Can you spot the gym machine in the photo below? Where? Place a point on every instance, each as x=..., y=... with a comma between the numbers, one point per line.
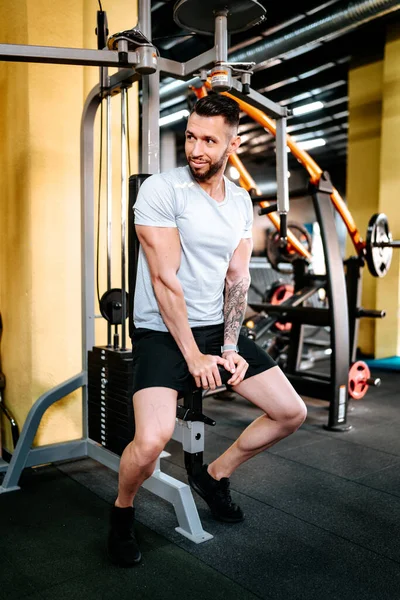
x=107, y=370
x=284, y=307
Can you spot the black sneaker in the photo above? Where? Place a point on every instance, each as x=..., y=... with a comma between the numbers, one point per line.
x=217, y=495
x=122, y=547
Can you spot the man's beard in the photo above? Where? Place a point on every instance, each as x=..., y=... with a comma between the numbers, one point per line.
x=213, y=168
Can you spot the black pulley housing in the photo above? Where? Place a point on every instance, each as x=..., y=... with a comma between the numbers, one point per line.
x=111, y=306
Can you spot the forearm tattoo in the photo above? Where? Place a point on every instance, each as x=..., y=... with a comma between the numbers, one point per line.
x=234, y=309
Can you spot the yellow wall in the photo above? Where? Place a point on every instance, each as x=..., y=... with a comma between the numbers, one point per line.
x=387, y=335
x=363, y=160
x=373, y=181
x=15, y=224
x=40, y=112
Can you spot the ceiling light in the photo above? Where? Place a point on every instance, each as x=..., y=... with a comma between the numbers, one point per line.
x=173, y=117
x=308, y=144
x=306, y=108
x=234, y=173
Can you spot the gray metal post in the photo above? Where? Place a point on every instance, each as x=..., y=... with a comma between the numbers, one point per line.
x=123, y=214
x=87, y=234
x=221, y=38
x=109, y=207
x=150, y=157
x=282, y=166
x=168, y=150
x=24, y=455
x=144, y=19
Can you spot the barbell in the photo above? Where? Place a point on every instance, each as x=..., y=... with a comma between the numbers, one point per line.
x=379, y=245
x=360, y=379
x=378, y=249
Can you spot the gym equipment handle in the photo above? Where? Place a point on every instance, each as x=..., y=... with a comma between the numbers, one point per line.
x=268, y=209
x=391, y=244
x=373, y=314
x=189, y=414
x=375, y=382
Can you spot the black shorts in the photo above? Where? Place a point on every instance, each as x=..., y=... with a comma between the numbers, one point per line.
x=158, y=361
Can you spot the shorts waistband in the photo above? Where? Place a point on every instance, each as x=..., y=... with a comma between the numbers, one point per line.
x=198, y=329
x=207, y=327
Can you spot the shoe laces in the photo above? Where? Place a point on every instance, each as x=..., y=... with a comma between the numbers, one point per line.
x=224, y=492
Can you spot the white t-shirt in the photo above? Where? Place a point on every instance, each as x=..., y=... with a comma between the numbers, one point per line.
x=209, y=231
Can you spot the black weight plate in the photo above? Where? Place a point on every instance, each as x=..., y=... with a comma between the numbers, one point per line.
x=111, y=362
x=111, y=380
x=114, y=404
x=113, y=444
x=200, y=16
x=122, y=368
x=111, y=410
x=109, y=441
x=378, y=259
x=107, y=434
x=109, y=354
x=96, y=394
x=120, y=394
x=117, y=394
x=110, y=428
x=110, y=366
x=124, y=388
x=108, y=371
x=111, y=306
x=114, y=410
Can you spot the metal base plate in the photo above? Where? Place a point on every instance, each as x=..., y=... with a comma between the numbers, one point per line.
x=197, y=539
x=200, y=16
x=4, y=490
x=339, y=428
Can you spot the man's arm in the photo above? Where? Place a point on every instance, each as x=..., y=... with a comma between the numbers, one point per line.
x=237, y=283
x=162, y=248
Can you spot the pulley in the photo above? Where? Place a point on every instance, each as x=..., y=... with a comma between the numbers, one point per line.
x=360, y=379
x=111, y=306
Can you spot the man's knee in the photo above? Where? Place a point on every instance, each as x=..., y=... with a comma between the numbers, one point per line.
x=296, y=415
x=146, y=448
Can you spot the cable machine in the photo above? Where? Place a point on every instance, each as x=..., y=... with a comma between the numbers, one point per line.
x=133, y=53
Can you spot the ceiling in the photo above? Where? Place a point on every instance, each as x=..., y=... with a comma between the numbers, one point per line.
x=318, y=72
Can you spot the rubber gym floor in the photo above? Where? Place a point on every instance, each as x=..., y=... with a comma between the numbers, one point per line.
x=322, y=519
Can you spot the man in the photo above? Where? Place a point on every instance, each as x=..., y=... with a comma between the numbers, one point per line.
x=194, y=228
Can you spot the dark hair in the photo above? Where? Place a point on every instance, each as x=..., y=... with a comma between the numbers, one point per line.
x=214, y=105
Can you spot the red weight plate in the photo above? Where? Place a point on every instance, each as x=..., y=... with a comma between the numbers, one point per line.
x=358, y=376
x=279, y=294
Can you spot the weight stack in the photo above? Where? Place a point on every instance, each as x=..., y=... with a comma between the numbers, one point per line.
x=110, y=407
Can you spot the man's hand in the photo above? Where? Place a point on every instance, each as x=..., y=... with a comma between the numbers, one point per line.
x=237, y=365
x=204, y=368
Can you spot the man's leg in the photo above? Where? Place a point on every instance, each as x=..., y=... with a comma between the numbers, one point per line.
x=155, y=414
x=284, y=412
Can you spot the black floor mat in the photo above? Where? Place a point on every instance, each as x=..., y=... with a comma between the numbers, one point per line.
x=52, y=546
x=322, y=519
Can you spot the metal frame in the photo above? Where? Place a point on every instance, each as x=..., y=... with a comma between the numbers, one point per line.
x=176, y=492
x=331, y=387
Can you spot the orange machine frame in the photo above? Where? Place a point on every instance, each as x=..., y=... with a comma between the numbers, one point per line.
x=315, y=172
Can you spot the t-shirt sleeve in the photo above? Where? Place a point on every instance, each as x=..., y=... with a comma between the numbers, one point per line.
x=248, y=228
x=155, y=203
